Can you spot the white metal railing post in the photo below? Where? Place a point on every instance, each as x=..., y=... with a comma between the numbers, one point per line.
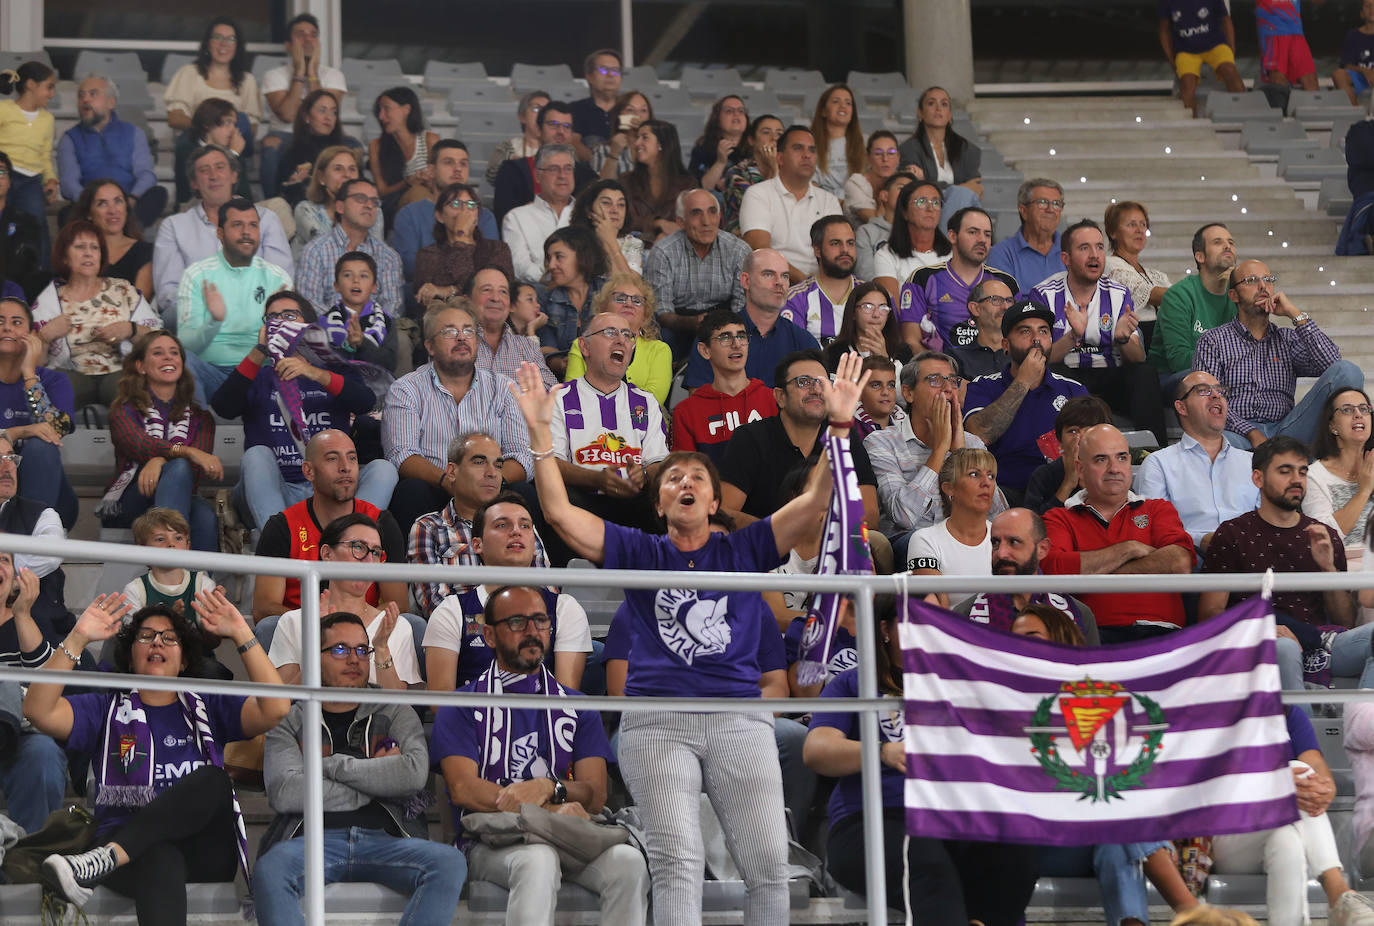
x=627, y=35
x=312, y=745
x=870, y=766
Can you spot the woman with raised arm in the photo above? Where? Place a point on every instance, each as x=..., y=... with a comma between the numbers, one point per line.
x=688, y=642
x=166, y=814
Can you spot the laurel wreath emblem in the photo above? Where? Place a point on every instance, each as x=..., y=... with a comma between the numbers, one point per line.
x=1068, y=779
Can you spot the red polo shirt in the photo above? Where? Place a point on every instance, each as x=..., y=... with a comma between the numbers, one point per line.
x=1079, y=529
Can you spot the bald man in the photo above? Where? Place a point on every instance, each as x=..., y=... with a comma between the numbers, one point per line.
x=1105, y=528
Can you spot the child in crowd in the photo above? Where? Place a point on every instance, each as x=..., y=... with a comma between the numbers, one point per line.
x=526, y=317
x=26, y=134
x=356, y=324
x=173, y=586
x=1357, y=57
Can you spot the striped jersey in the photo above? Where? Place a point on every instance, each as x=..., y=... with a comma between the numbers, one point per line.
x=937, y=299
x=1096, y=349
x=614, y=430
x=809, y=307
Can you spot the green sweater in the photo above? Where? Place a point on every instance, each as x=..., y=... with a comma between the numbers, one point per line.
x=1186, y=311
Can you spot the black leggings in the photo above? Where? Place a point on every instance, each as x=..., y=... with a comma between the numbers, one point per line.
x=951, y=882
x=184, y=835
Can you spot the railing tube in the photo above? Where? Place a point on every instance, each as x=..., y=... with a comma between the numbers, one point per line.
x=312, y=746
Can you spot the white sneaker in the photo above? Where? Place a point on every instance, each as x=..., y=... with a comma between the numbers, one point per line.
x=1353, y=909
x=73, y=876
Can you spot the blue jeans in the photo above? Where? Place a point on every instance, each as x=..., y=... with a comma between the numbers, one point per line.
x=263, y=492
x=269, y=160
x=34, y=776
x=208, y=376
x=175, y=490
x=431, y=874
x=1302, y=422
x=26, y=195
x=1350, y=657
x=43, y=479
x=798, y=781
x=1119, y=870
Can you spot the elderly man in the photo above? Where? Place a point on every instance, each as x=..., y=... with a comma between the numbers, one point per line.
x=763, y=277
x=817, y=303
x=101, y=146
x=1194, y=304
x=694, y=269
x=524, y=228
x=193, y=235
x=499, y=349
x=519, y=180
x=779, y=213
x=1032, y=254
x=1106, y=529
x=446, y=397
x=285, y=87
x=591, y=123
x=356, y=205
x=221, y=299
x=976, y=345
x=935, y=299
x=1261, y=362
x=1203, y=476
x=414, y=227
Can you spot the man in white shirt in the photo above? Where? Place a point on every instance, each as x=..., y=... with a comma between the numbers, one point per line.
x=778, y=213
x=286, y=86
x=525, y=227
x=609, y=436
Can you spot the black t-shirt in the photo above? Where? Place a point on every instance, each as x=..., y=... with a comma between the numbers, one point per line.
x=589, y=120
x=371, y=815
x=760, y=455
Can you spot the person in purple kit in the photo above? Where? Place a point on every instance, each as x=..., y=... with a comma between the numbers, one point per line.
x=165, y=811
x=1357, y=57
x=817, y=303
x=1097, y=334
x=935, y=299
x=1285, y=58
x=1014, y=411
x=687, y=641
x=1032, y=254
x=1195, y=33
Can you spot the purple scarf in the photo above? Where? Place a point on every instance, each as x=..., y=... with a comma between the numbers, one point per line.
x=555, y=740
x=844, y=551
x=312, y=345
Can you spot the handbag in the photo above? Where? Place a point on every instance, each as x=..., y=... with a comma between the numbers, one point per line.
x=68, y=830
x=578, y=842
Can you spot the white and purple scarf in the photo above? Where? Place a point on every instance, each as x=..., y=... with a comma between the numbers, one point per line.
x=156, y=427
x=312, y=344
x=844, y=551
x=555, y=746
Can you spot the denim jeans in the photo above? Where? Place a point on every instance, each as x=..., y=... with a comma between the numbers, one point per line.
x=43, y=479
x=263, y=492
x=34, y=776
x=208, y=377
x=1302, y=422
x=1350, y=658
x=430, y=873
x=175, y=490
x=269, y=160
x=1119, y=870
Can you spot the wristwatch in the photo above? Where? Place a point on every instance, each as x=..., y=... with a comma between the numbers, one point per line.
x=560, y=793
x=1301, y=318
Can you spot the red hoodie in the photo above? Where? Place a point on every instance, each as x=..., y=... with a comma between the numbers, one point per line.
x=705, y=419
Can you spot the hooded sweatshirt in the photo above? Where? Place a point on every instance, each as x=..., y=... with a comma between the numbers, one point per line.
x=705, y=419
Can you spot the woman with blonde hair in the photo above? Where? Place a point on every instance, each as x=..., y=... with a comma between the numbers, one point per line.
x=315, y=214
x=840, y=148
x=629, y=296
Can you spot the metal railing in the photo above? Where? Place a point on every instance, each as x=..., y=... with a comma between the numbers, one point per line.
x=863, y=588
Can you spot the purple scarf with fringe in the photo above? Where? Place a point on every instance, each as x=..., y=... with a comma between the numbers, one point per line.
x=844, y=551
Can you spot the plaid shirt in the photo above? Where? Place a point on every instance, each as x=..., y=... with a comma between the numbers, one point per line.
x=443, y=538
x=420, y=418
x=689, y=285
x=1263, y=375
x=513, y=350
x=315, y=273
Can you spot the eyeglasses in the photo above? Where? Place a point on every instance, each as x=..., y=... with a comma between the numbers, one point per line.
x=608, y=72
x=727, y=338
x=557, y=125
x=149, y=637
x=225, y=39
x=734, y=111
x=461, y=204
x=11, y=458
x=998, y=302
x=890, y=152
x=518, y=622
x=875, y=308
x=928, y=202
x=806, y=382
x=1206, y=391
x=1252, y=280
x=467, y=333
x=286, y=315
x=1055, y=204
x=557, y=168
x=631, y=298
x=343, y=651
x=1348, y=410
x=937, y=381
x=610, y=334
x=362, y=199
x=361, y=550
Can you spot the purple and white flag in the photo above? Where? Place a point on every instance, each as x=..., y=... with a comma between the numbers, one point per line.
x=1014, y=739
x=844, y=551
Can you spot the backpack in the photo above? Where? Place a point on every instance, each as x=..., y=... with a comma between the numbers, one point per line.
x=68, y=829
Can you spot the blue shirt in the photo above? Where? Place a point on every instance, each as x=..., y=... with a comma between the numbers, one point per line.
x=1024, y=262
x=1195, y=24
x=765, y=351
x=414, y=229
x=1016, y=450
x=1204, y=491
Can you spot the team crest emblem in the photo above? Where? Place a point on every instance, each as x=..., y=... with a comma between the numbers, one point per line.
x=1202, y=13
x=1114, y=737
x=906, y=299
x=1059, y=401
x=639, y=416
x=1141, y=521
x=1105, y=321
x=129, y=754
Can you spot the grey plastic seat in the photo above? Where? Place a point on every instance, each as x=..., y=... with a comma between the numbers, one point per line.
x=9, y=60
x=711, y=82
x=1316, y=104
x=175, y=62
x=1312, y=164
x=480, y=92
x=1334, y=197
x=485, y=121
x=794, y=85
x=1340, y=127
x=264, y=63
x=1272, y=137
x=877, y=88
x=367, y=70
x=441, y=75
x=527, y=77
x=663, y=97
x=761, y=101
x=109, y=63
x=88, y=456
x=639, y=77
x=1238, y=107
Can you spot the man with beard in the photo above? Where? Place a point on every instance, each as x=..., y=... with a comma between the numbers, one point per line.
x=1261, y=362
x=331, y=468
x=101, y=146
x=1106, y=529
x=375, y=758
x=1019, y=543
x=1279, y=536
x=1013, y=412
x=1097, y=337
x=499, y=349
x=935, y=299
x=555, y=759
x=1195, y=304
x=817, y=303
x=446, y=397
x=221, y=299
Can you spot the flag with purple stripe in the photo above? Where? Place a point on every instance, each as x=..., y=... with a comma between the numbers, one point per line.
x=1015, y=739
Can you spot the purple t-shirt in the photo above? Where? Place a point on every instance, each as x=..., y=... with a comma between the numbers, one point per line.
x=844, y=653
x=686, y=641
x=847, y=798
x=14, y=404
x=938, y=294
x=1195, y=24
x=175, y=754
x=1357, y=49
x=1300, y=732
x=773, y=654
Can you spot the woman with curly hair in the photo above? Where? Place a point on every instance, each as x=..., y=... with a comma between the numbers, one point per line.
x=220, y=70
x=605, y=209
x=627, y=295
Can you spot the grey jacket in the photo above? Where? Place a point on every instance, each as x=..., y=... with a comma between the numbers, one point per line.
x=349, y=782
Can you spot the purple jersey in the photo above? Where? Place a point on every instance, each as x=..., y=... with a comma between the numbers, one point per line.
x=847, y=798
x=809, y=307
x=1195, y=24
x=1110, y=301
x=937, y=300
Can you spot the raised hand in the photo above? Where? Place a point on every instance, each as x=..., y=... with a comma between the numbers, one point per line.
x=842, y=396
x=1077, y=318
x=1032, y=369
x=355, y=333
x=534, y=398
x=1323, y=552
x=214, y=301
x=102, y=617
x=1126, y=326
x=956, y=422
x=381, y=642
x=27, y=584
x=218, y=615
x=1364, y=476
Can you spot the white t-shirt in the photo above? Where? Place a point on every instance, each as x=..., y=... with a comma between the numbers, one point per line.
x=286, y=646
x=935, y=548
x=887, y=264
x=282, y=78
x=445, y=630
x=767, y=206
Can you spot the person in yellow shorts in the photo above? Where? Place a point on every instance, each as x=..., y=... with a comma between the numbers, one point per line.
x=1197, y=32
